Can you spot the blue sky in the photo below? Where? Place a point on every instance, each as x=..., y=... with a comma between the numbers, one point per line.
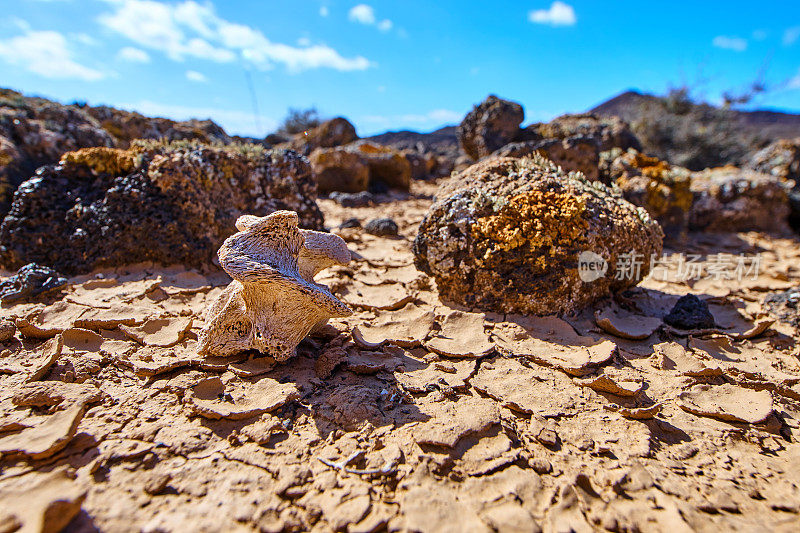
x=389, y=65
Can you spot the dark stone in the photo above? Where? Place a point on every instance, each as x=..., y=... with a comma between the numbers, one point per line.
x=690, y=312
x=378, y=187
x=382, y=227
x=350, y=223
x=168, y=204
x=30, y=281
x=352, y=199
x=785, y=305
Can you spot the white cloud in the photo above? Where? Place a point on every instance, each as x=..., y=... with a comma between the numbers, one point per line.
x=791, y=35
x=737, y=44
x=558, y=14
x=303, y=41
x=323, y=11
x=190, y=29
x=234, y=122
x=46, y=53
x=133, y=55
x=362, y=13
x=198, y=77
x=794, y=82
x=365, y=14
x=435, y=117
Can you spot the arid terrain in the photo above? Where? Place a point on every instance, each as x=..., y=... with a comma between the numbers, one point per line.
x=553, y=328
x=411, y=415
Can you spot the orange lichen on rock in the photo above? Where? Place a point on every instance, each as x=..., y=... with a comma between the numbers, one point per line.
x=102, y=160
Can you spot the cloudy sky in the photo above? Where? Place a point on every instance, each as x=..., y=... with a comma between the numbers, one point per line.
x=389, y=65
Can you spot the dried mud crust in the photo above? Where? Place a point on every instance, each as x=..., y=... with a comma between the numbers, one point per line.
x=505, y=235
x=408, y=416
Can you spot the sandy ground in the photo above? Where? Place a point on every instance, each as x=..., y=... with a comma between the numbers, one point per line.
x=412, y=414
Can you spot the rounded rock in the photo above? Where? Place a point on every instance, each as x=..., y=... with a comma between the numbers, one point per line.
x=506, y=235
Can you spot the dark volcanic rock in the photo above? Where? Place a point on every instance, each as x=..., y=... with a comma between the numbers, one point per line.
x=581, y=154
x=609, y=132
x=353, y=199
x=334, y=132
x=382, y=227
x=690, y=312
x=506, y=234
x=30, y=281
x=731, y=199
x=780, y=159
x=490, y=125
x=161, y=202
x=785, y=305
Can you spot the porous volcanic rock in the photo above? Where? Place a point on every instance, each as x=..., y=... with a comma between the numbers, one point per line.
x=162, y=202
x=36, y=131
x=127, y=126
x=336, y=169
x=731, y=199
x=780, y=159
x=577, y=153
x=662, y=189
x=490, y=125
x=610, y=132
x=335, y=132
x=505, y=235
x=386, y=165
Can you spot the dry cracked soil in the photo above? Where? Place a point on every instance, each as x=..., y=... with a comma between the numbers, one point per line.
x=411, y=415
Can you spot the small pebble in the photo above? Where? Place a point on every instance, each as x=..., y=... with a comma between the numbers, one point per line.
x=382, y=227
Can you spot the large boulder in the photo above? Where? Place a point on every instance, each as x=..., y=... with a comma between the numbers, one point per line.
x=161, y=202
x=732, y=199
x=506, y=234
x=662, y=189
x=386, y=165
x=36, y=131
x=335, y=132
x=609, y=131
x=127, y=126
x=490, y=125
x=579, y=153
x=780, y=159
x=336, y=169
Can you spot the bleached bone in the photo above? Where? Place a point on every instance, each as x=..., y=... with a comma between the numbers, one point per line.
x=272, y=302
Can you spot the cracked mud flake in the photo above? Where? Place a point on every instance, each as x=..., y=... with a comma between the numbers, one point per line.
x=553, y=342
x=50, y=434
x=152, y=360
x=626, y=325
x=34, y=363
x=163, y=332
x=405, y=327
x=619, y=385
x=450, y=421
x=462, y=335
x=44, y=502
x=235, y=400
x=547, y=392
x=115, y=315
x=379, y=297
x=419, y=376
x=50, y=393
x=674, y=356
x=727, y=402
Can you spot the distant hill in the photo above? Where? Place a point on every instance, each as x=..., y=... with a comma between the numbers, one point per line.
x=769, y=125
x=442, y=141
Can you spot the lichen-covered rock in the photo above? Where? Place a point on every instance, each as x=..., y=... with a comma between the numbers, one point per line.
x=336, y=169
x=662, y=189
x=489, y=126
x=578, y=153
x=505, y=235
x=162, y=202
x=127, y=126
x=610, y=132
x=335, y=132
x=731, y=199
x=780, y=159
x=386, y=165
x=34, y=132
